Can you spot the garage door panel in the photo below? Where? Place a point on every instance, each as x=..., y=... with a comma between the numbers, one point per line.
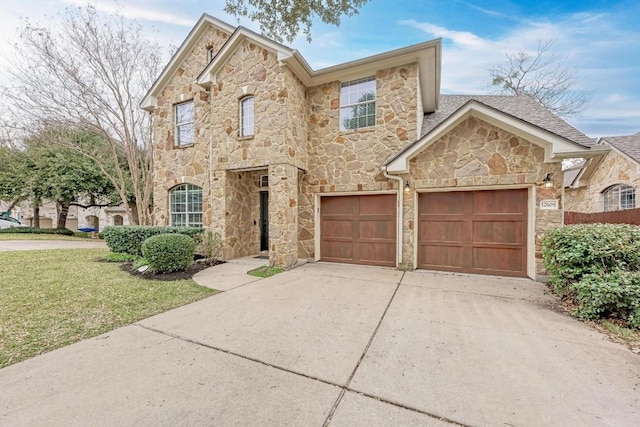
x=498, y=232
x=336, y=228
x=441, y=256
x=358, y=229
x=379, y=229
x=474, y=231
x=503, y=260
x=442, y=203
x=499, y=201
x=339, y=249
x=441, y=231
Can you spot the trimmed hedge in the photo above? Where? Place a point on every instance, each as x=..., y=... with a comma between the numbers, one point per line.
x=168, y=252
x=128, y=239
x=33, y=230
x=597, y=266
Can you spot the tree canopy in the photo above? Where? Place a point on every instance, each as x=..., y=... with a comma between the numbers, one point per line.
x=282, y=20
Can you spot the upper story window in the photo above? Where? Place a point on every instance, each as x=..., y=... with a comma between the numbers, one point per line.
x=246, y=116
x=358, y=103
x=184, y=123
x=619, y=197
x=185, y=206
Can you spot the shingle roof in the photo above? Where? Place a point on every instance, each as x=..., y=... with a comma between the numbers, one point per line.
x=521, y=107
x=572, y=173
x=628, y=144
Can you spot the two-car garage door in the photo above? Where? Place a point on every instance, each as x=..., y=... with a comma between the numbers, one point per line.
x=465, y=231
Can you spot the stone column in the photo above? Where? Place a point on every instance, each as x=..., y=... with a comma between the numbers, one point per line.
x=215, y=213
x=283, y=215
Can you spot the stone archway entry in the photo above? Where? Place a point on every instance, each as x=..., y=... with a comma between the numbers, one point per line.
x=93, y=222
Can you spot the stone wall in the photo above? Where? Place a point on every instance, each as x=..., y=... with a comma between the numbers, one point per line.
x=283, y=215
x=242, y=216
x=477, y=154
x=190, y=164
x=349, y=161
x=614, y=169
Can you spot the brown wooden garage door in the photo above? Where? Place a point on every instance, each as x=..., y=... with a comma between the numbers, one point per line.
x=358, y=229
x=474, y=231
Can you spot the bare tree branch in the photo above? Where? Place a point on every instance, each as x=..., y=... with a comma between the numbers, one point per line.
x=90, y=73
x=544, y=76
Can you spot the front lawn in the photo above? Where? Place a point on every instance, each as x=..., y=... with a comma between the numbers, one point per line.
x=49, y=299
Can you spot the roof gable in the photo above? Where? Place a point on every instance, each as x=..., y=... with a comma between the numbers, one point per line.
x=627, y=144
x=149, y=101
x=436, y=125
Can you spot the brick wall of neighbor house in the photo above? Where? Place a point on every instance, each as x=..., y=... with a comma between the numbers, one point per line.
x=189, y=164
x=351, y=161
x=614, y=169
x=476, y=154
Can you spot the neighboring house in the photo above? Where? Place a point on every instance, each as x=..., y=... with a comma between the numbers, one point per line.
x=363, y=162
x=608, y=182
x=78, y=217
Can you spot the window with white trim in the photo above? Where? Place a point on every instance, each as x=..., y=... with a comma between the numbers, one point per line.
x=185, y=206
x=246, y=116
x=184, y=123
x=619, y=197
x=358, y=103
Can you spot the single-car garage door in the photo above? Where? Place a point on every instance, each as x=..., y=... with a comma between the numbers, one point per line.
x=358, y=229
x=474, y=231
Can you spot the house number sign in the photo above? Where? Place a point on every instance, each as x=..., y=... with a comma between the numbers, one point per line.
x=549, y=204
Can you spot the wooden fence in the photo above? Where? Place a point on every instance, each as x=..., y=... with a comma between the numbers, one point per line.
x=629, y=216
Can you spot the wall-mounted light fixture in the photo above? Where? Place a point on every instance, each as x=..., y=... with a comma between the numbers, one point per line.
x=547, y=181
x=407, y=187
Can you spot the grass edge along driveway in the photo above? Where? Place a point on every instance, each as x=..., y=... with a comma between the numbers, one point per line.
x=54, y=298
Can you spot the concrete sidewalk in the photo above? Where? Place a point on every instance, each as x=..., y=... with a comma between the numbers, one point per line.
x=328, y=344
x=35, y=245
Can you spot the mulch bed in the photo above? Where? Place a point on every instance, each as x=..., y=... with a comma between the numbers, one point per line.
x=176, y=275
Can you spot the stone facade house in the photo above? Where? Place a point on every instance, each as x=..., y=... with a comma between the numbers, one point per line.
x=607, y=182
x=363, y=162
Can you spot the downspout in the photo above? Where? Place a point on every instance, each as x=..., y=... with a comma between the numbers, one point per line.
x=399, y=218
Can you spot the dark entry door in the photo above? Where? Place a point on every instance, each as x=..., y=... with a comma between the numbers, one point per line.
x=264, y=220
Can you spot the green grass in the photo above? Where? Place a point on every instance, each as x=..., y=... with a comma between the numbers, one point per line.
x=26, y=236
x=265, y=271
x=53, y=298
x=631, y=337
x=117, y=257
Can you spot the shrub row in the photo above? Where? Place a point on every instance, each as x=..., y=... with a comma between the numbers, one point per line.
x=168, y=252
x=597, y=266
x=129, y=238
x=33, y=230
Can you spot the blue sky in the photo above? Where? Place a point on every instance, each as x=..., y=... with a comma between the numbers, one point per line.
x=600, y=38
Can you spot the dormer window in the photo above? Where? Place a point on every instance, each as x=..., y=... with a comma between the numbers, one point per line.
x=246, y=116
x=358, y=104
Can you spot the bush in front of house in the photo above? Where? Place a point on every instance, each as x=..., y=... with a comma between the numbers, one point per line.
x=168, y=252
x=612, y=295
x=33, y=230
x=128, y=239
x=597, y=267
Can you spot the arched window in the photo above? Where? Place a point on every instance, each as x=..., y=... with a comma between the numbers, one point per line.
x=185, y=205
x=246, y=116
x=619, y=197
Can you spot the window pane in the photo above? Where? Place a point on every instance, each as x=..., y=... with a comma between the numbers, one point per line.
x=186, y=206
x=246, y=116
x=357, y=102
x=185, y=134
x=184, y=112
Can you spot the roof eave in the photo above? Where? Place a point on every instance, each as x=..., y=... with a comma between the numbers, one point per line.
x=149, y=101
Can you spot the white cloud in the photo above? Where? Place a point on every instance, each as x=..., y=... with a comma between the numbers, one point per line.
x=132, y=11
x=463, y=38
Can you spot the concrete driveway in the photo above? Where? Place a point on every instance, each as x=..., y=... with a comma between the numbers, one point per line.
x=328, y=344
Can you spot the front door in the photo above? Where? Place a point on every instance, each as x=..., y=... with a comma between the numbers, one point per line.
x=264, y=220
